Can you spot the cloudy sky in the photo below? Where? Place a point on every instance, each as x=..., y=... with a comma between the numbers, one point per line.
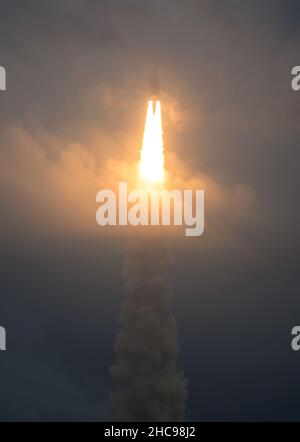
x=71, y=121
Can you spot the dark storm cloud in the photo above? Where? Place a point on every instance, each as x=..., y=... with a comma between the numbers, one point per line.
x=77, y=83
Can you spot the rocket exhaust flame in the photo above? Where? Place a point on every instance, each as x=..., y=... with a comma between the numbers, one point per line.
x=151, y=166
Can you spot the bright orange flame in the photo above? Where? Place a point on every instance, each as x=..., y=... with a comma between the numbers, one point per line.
x=151, y=166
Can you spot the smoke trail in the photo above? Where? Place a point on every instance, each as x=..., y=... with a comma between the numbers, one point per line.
x=148, y=385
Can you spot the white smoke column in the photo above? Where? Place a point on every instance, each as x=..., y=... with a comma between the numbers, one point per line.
x=148, y=384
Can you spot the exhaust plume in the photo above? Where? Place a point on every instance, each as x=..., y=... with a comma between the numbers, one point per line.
x=148, y=385
x=151, y=167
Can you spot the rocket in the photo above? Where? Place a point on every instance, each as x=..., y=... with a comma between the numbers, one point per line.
x=154, y=87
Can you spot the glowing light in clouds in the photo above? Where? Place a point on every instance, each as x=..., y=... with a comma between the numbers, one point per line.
x=151, y=166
